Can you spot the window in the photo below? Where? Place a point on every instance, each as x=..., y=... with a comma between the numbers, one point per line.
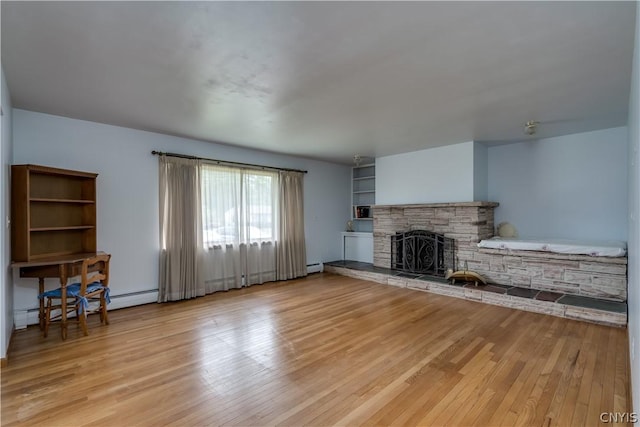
x=238, y=205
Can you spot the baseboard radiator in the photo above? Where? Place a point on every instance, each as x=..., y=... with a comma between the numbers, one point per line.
x=23, y=318
x=315, y=268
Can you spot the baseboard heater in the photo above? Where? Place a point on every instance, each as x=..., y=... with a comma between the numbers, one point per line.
x=22, y=318
x=315, y=268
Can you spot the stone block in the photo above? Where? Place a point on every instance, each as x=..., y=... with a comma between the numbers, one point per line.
x=499, y=278
x=466, y=245
x=467, y=211
x=608, y=286
x=542, y=284
x=512, y=260
x=604, y=292
x=609, y=280
x=517, y=270
x=564, y=287
x=478, y=256
x=460, y=237
x=463, y=219
x=439, y=222
x=419, y=213
x=475, y=265
x=497, y=267
x=473, y=294
x=399, y=282
x=537, y=306
x=575, y=276
x=462, y=254
x=422, y=285
x=552, y=272
x=596, y=316
x=379, y=278
x=598, y=267
x=520, y=280
x=441, y=289
x=449, y=212
x=530, y=272
x=502, y=300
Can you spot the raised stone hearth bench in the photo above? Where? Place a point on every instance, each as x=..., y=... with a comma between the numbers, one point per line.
x=553, y=303
x=584, y=275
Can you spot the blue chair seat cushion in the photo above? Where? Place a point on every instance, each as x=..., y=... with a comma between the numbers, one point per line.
x=73, y=291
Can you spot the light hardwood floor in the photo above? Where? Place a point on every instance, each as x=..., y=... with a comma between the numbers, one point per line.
x=324, y=350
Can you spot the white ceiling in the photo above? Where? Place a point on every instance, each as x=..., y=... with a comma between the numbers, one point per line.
x=324, y=79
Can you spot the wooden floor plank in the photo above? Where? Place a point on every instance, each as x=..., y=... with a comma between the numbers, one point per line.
x=323, y=350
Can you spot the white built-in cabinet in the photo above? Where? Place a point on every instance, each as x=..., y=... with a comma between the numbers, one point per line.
x=357, y=246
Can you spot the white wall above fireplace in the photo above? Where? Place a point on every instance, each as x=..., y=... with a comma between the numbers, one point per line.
x=437, y=175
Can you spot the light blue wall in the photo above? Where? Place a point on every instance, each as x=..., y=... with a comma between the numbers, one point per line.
x=634, y=220
x=6, y=287
x=127, y=188
x=442, y=174
x=573, y=186
x=480, y=172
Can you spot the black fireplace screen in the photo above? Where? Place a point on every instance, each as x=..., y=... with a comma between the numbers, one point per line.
x=422, y=252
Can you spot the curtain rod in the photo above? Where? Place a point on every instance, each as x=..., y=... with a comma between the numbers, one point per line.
x=225, y=162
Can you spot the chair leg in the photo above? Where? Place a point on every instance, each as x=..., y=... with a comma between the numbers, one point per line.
x=104, y=317
x=83, y=322
x=47, y=318
x=100, y=311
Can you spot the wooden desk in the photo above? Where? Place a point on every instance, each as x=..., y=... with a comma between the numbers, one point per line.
x=61, y=267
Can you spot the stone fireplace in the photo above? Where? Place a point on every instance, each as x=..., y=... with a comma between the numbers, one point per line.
x=466, y=223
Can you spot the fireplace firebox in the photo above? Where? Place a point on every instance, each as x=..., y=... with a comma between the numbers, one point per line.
x=422, y=252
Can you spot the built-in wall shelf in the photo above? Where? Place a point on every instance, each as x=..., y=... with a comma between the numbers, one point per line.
x=363, y=197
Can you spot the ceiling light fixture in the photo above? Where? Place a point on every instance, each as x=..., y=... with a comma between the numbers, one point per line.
x=531, y=127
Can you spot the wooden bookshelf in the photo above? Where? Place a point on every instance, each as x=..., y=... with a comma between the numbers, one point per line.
x=53, y=212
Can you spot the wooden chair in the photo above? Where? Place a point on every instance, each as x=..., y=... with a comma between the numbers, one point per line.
x=93, y=286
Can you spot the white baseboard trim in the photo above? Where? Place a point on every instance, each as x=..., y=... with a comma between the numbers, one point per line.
x=315, y=268
x=22, y=318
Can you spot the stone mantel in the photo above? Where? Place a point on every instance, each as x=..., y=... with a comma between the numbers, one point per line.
x=444, y=205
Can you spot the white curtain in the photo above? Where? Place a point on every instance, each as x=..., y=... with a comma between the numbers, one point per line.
x=238, y=211
x=291, y=248
x=180, y=229
x=226, y=227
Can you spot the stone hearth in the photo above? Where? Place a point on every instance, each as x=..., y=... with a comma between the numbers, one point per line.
x=558, y=304
x=572, y=286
